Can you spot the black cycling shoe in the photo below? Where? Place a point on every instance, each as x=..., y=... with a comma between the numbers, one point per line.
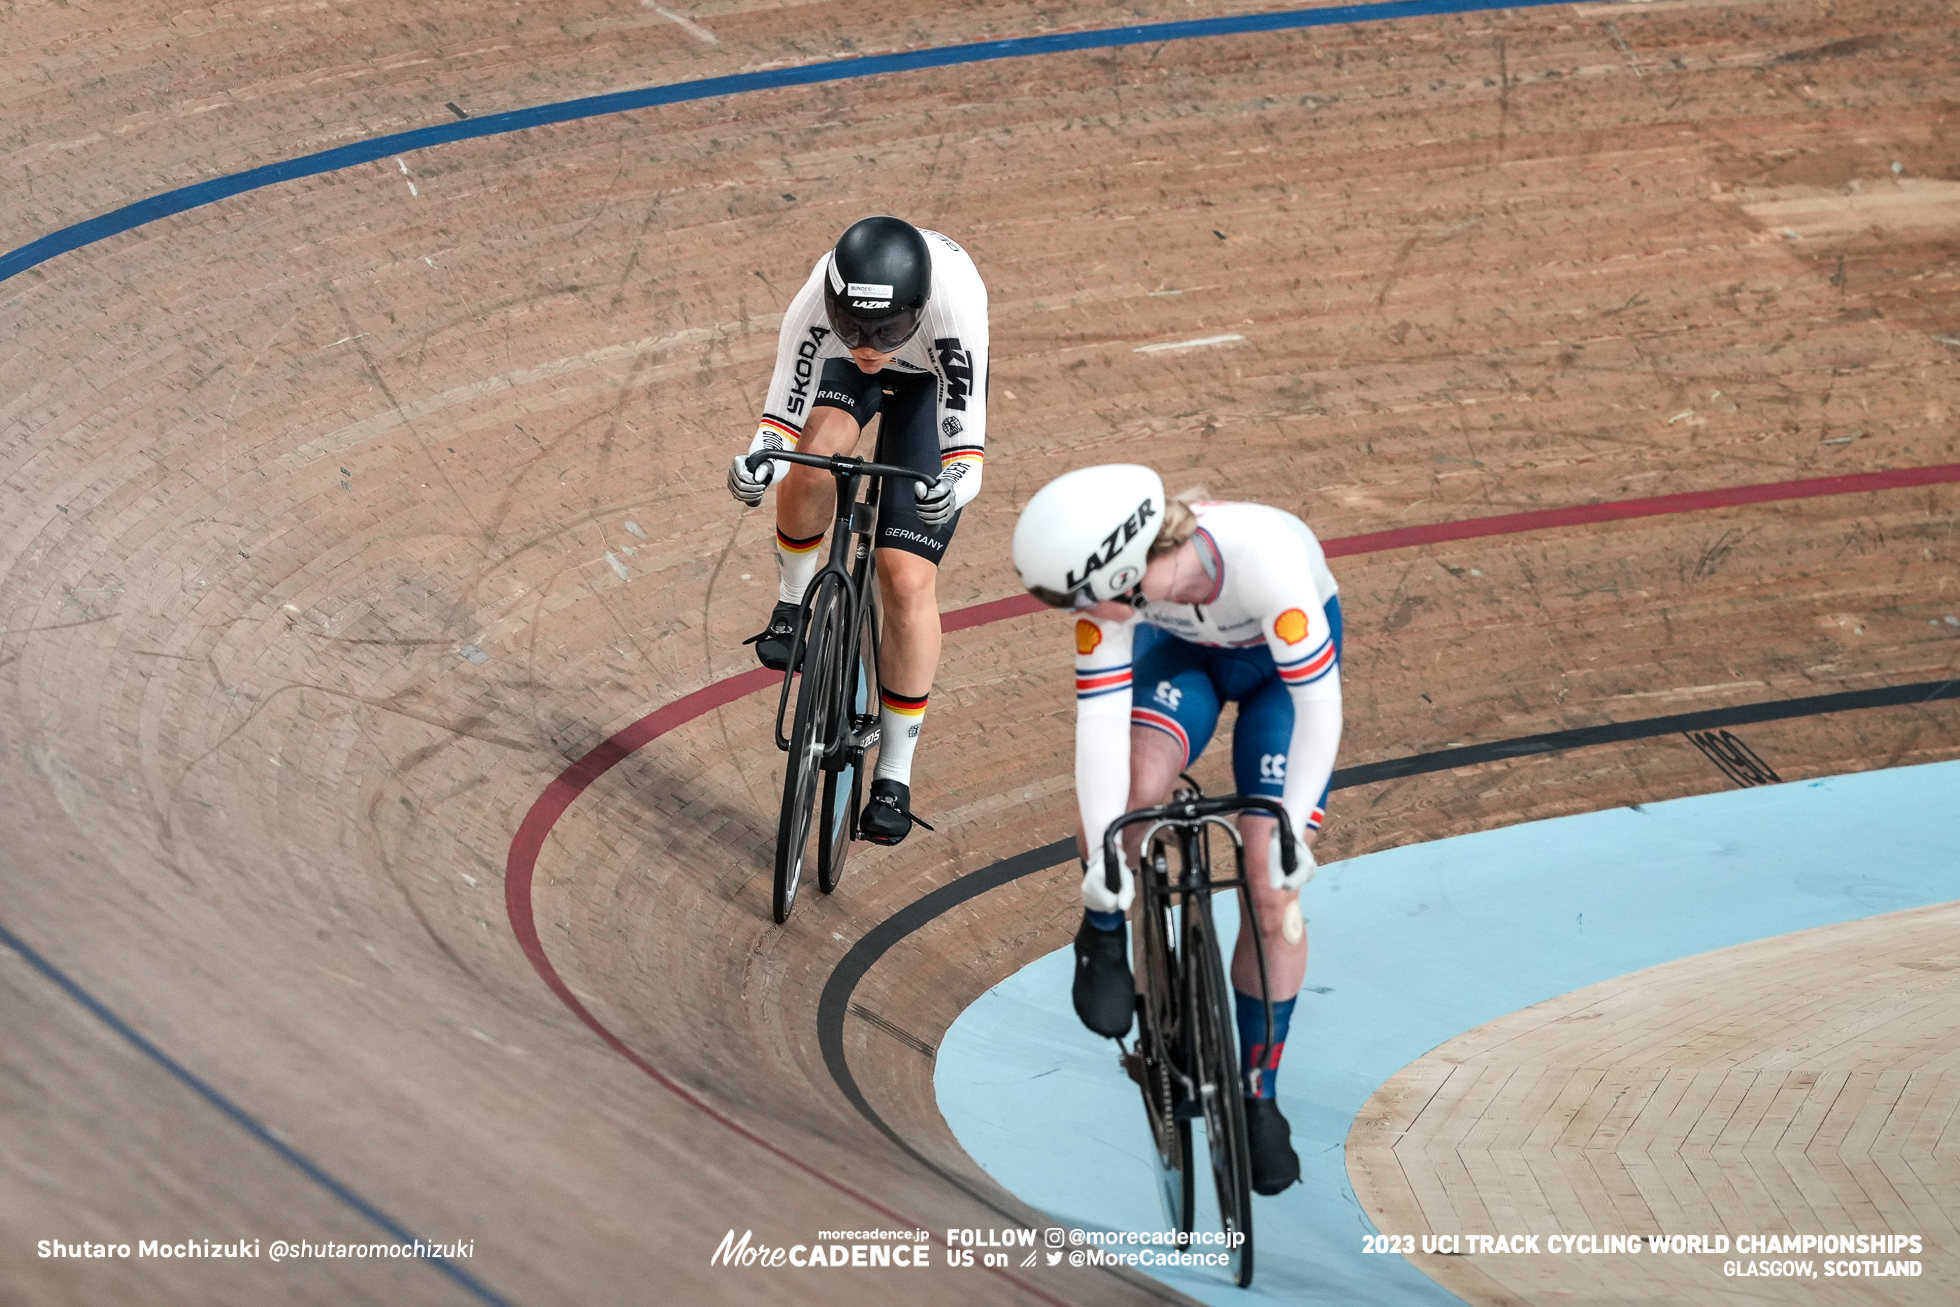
x=773, y=645
x=1274, y=1163
x=887, y=816
x=1105, y=994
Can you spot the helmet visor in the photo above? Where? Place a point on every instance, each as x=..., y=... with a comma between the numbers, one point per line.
x=882, y=334
x=1083, y=599
x=1056, y=599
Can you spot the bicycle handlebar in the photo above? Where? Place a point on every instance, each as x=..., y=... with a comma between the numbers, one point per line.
x=1194, y=810
x=838, y=464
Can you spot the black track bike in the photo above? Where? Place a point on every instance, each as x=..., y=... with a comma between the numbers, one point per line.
x=834, y=717
x=1186, y=1058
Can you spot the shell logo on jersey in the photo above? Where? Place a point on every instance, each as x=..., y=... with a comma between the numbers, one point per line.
x=1087, y=636
x=1291, y=626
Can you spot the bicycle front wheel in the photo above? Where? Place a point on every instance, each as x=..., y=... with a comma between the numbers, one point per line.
x=1151, y=1065
x=809, y=738
x=843, y=789
x=1215, y=1053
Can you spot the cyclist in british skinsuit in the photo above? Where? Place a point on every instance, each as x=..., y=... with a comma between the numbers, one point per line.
x=892, y=321
x=1180, y=606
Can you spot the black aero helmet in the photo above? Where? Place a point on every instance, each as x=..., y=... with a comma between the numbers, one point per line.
x=876, y=287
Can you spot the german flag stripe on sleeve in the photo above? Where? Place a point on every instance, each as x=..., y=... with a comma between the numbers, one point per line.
x=971, y=453
x=783, y=429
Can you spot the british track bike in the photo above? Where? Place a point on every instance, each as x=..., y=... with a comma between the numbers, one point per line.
x=1185, y=1058
x=835, y=717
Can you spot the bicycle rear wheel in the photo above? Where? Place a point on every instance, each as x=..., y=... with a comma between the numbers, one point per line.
x=810, y=733
x=843, y=789
x=1151, y=1063
x=1221, y=1087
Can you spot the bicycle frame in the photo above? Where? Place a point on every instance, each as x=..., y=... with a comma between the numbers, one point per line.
x=850, y=565
x=1190, y=816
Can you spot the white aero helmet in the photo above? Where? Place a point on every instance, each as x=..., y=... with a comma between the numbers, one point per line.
x=1085, y=536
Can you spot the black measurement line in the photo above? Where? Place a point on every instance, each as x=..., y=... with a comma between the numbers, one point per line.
x=1713, y=719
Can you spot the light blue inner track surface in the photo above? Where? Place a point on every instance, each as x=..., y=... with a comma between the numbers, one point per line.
x=1419, y=944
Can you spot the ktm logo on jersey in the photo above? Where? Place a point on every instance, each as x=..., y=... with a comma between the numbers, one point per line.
x=1291, y=626
x=1087, y=636
x=957, y=364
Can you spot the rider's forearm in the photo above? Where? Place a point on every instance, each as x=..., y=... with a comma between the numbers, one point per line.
x=1310, y=756
x=1102, y=764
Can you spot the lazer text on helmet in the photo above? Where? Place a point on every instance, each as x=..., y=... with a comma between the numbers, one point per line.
x=1112, y=543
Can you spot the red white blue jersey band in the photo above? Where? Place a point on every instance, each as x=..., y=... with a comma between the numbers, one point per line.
x=1311, y=668
x=1112, y=680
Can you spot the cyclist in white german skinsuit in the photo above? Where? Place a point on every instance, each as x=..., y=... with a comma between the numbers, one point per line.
x=1181, y=606
x=892, y=321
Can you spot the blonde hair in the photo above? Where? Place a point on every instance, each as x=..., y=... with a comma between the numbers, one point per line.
x=1180, y=523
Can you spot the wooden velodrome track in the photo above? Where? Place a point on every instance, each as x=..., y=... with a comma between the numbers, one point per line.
x=340, y=517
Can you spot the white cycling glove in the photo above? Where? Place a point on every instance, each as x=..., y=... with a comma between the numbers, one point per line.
x=954, y=490
x=749, y=486
x=1304, y=866
x=1096, y=895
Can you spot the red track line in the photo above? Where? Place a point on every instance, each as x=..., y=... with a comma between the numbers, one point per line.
x=1658, y=505
x=1547, y=519
x=558, y=796
x=522, y=864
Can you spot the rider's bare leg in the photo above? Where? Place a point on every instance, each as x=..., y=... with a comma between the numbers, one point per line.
x=908, y=652
x=909, y=642
x=806, y=497
x=1286, y=963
